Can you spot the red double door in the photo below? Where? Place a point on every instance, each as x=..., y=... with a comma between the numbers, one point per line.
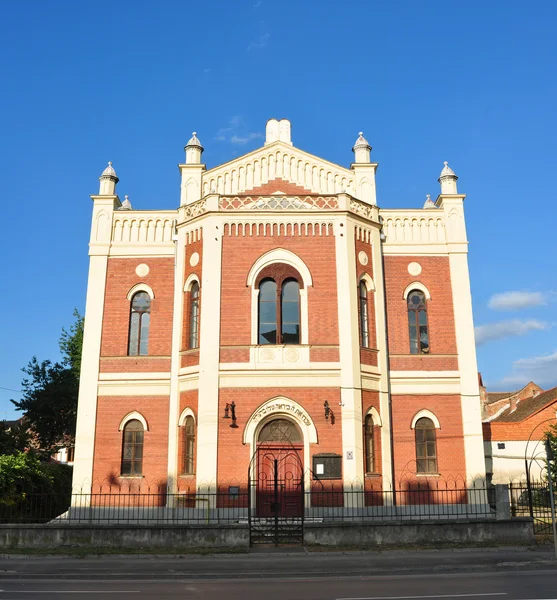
x=280, y=473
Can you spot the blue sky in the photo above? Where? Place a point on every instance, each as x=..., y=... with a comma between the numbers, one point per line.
x=472, y=82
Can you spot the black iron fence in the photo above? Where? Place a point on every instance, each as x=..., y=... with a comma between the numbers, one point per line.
x=533, y=500
x=320, y=502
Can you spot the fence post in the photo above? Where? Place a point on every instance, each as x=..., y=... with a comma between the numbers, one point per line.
x=502, y=502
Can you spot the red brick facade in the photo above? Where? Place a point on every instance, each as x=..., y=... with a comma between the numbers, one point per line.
x=325, y=382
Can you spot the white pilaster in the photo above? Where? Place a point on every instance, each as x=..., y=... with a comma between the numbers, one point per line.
x=209, y=347
x=99, y=246
x=350, y=377
x=382, y=363
x=364, y=182
x=464, y=329
x=177, y=321
x=191, y=185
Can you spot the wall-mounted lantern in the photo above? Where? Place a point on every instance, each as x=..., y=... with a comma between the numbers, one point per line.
x=329, y=412
x=230, y=407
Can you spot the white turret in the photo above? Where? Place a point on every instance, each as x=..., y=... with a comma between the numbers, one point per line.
x=361, y=150
x=193, y=149
x=126, y=205
x=428, y=202
x=108, y=181
x=447, y=179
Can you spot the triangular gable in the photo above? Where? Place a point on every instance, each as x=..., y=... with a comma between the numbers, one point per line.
x=252, y=173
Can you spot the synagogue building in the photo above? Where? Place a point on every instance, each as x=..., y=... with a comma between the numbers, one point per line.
x=278, y=324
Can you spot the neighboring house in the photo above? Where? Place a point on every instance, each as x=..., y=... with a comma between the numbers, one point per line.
x=64, y=455
x=514, y=426
x=252, y=320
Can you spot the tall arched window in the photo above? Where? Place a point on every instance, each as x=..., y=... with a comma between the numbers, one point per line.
x=189, y=445
x=364, y=318
x=290, y=312
x=279, y=311
x=417, y=323
x=194, y=316
x=140, y=317
x=132, y=448
x=268, y=312
x=426, y=446
x=369, y=444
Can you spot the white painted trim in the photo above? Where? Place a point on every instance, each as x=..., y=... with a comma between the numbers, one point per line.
x=133, y=416
x=279, y=255
x=174, y=388
x=427, y=414
x=255, y=315
x=256, y=421
x=126, y=377
x=263, y=379
x=416, y=286
x=193, y=277
x=209, y=349
x=375, y=415
x=368, y=281
x=349, y=351
x=187, y=412
x=140, y=287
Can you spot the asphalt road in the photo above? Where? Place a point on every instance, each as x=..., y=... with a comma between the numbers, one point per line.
x=473, y=575
x=471, y=586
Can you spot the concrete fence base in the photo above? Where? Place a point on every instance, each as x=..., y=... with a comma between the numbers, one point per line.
x=515, y=531
x=358, y=534
x=123, y=536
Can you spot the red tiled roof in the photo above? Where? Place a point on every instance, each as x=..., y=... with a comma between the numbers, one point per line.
x=496, y=396
x=526, y=408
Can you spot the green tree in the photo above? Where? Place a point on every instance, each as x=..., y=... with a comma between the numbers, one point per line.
x=551, y=436
x=14, y=437
x=71, y=343
x=50, y=391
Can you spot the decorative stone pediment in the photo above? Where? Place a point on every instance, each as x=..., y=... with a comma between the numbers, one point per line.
x=278, y=160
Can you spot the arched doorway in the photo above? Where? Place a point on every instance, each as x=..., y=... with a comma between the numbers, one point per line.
x=279, y=469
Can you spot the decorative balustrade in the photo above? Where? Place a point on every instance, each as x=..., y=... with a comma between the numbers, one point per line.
x=407, y=226
x=143, y=227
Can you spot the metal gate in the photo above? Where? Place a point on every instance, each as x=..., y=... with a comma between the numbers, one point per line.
x=532, y=499
x=276, y=496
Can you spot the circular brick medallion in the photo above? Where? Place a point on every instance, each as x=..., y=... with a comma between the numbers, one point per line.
x=414, y=268
x=142, y=270
x=194, y=259
x=363, y=258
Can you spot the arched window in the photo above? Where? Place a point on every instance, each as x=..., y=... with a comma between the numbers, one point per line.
x=290, y=312
x=364, y=319
x=280, y=430
x=194, y=315
x=268, y=312
x=140, y=317
x=426, y=446
x=189, y=445
x=279, y=311
x=417, y=323
x=369, y=444
x=132, y=448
